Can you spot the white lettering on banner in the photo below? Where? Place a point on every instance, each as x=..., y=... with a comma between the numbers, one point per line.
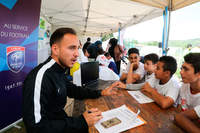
x=4, y=34
x=16, y=27
x=18, y=35
x=13, y=35
x=8, y=26
x=13, y=85
x=19, y=27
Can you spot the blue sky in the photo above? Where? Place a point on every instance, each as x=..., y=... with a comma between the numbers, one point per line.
x=185, y=24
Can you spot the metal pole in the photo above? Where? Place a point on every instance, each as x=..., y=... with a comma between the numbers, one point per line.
x=163, y=36
x=169, y=19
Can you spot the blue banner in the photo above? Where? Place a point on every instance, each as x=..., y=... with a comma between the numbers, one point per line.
x=18, y=56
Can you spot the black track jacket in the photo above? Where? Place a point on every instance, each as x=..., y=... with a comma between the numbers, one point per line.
x=45, y=91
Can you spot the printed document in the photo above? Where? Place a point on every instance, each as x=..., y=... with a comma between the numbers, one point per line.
x=118, y=120
x=140, y=97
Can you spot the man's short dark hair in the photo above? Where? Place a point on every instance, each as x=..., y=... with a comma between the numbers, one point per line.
x=59, y=33
x=170, y=64
x=133, y=51
x=88, y=39
x=194, y=60
x=152, y=57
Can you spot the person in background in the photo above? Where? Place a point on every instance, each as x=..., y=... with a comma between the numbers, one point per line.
x=83, y=54
x=81, y=58
x=86, y=54
x=164, y=88
x=189, y=100
x=105, y=73
x=135, y=69
x=89, y=39
x=86, y=45
x=112, y=64
x=116, y=52
x=93, y=49
x=46, y=88
x=150, y=65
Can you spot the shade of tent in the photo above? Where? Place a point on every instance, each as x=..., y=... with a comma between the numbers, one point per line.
x=98, y=17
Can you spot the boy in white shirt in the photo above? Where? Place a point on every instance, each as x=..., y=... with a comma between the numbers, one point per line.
x=164, y=88
x=135, y=69
x=189, y=99
x=150, y=64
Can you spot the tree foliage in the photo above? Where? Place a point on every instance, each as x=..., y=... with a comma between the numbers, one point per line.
x=106, y=37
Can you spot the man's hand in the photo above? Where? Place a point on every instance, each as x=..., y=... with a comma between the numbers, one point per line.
x=92, y=116
x=109, y=91
x=118, y=84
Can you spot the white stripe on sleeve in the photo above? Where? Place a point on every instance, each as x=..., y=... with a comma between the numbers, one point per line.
x=37, y=90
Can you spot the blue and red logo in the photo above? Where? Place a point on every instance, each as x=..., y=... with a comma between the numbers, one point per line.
x=15, y=58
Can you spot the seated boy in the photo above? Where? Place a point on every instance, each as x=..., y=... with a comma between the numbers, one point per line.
x=112, y=64
x=189, y=99
x=135, y=69
x=150, y=64
x=163, y=89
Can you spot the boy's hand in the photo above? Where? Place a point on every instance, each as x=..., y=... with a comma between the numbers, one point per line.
x=109, y=91
x=118, y=84
x=133, y=66
x=146, y=88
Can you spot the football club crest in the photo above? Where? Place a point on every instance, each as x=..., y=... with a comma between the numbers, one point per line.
x=15, y=58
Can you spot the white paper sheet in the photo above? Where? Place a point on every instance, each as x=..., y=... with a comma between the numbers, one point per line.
x=128, y=120
x=140, y=97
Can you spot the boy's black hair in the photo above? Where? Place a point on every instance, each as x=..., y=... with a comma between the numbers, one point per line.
x=59, y=34
x=170, y=64
x=100, y=51
x=133, y=51
x=152, y=57
x=107, y=54
x=194, y=60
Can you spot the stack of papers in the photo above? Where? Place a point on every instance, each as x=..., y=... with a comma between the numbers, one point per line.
x=118, y=120
x=140, y=97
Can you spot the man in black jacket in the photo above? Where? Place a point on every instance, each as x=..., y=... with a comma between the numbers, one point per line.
x=46, y=88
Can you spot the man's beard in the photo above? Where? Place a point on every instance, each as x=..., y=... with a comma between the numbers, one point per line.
x=61, y=63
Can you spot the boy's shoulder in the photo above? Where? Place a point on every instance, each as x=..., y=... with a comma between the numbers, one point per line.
x=175, y=81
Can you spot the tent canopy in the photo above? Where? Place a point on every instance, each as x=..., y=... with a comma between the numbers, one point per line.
x=99, y=17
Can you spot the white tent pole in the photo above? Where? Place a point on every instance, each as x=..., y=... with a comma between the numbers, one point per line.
x=169, y=20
